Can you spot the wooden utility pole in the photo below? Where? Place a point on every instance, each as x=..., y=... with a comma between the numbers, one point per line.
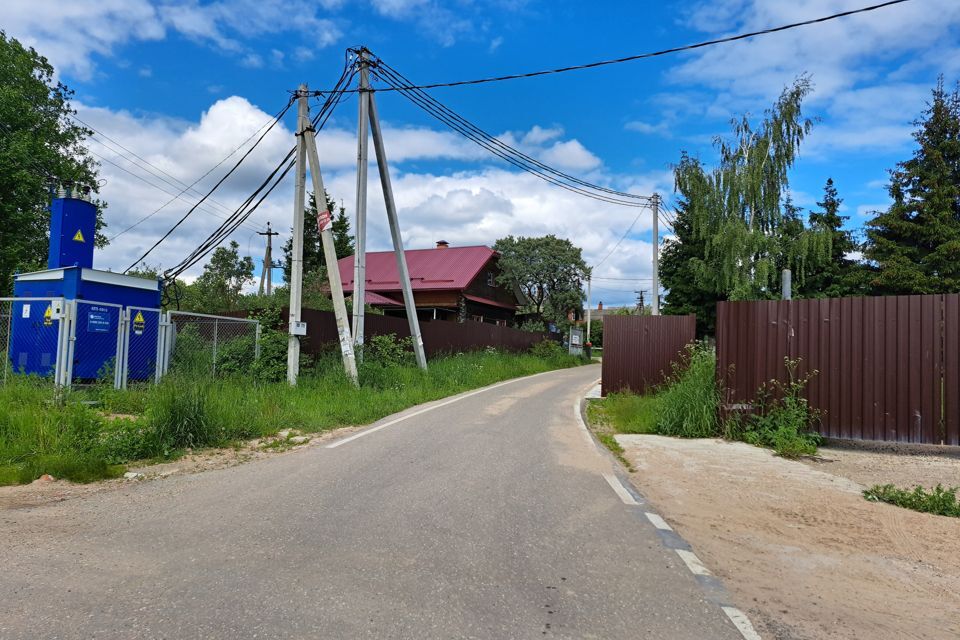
x=360, y=223
x=267, y=260
x=325, y=227
x=655, y=303
x=402, y=271
x=296, y=250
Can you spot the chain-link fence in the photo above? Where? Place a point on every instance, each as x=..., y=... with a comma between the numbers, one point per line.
x=209, y=345
x=33, y=338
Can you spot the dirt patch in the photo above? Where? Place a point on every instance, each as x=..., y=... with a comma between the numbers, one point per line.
x=44, y=492
x=799, y=548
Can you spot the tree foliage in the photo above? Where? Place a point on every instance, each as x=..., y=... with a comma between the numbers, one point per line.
x=549, y=270
x=840, y=275
x=914, y=246
x=220, y=286
x=736, y=211
x=39, y=145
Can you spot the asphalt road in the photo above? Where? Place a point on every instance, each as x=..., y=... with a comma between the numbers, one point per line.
x=487, y=517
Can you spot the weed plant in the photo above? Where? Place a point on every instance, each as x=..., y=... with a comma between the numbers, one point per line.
x=688, y=405
x=939, y=501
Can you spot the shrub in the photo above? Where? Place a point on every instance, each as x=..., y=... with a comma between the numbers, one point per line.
x=782, y=417
x=388, y=350
x=548, y=350
x=940, y=501
x=688, y=405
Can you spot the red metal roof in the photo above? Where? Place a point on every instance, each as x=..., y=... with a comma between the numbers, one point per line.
x=430, y=269
x=373, y=298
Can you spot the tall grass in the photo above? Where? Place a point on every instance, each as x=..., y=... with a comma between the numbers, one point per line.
x=73, y=440
x=689, y=404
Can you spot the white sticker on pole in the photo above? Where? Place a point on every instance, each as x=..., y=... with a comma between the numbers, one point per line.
x=323, y=219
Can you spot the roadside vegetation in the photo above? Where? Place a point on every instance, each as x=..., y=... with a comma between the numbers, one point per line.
x=92, y=433
x=939, y=501
x=688, y=405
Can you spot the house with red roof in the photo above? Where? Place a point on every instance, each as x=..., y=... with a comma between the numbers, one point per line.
x=449, y=283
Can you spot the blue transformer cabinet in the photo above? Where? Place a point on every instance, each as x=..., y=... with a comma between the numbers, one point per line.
x=101, y=299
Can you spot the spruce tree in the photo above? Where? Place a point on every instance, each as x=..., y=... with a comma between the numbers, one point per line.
x=313, y=262
x=840, y=275
x=914, y=246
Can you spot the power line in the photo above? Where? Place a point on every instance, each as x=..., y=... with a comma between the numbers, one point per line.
x=622, y=238
x=501, y=149
x=219, y=182
x=654, y=54
x=194, y=183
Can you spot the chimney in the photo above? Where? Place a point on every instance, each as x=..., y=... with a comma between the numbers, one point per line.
x=442, y=244
x=600, y=306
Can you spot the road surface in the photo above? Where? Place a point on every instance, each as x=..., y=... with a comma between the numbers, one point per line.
x=484, y=517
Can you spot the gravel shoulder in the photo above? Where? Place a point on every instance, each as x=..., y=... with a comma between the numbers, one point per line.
x=797, y=545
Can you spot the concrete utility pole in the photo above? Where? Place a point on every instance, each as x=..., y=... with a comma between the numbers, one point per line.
x=589, y=306
x=296, y=249
x=325, y=227
x=655, y=304
x=402, y=271
x=267, y=260
x=360, y=223
x=787, y=284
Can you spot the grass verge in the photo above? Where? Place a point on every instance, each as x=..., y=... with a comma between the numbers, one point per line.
x=93, y=433
x=939, y=501
x=603, y=427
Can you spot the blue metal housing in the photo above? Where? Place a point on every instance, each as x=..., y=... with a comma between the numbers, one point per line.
x=101, y=297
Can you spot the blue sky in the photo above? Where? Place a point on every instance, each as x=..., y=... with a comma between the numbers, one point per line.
x=182, y=83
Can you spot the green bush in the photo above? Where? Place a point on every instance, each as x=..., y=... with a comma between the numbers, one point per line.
x=688, y=405
x=388, y=350
x=940, y=501
x=781, y=419
x=548, y=350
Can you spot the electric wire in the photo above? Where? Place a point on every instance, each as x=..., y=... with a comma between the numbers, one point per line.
x=654, y=54
x=504, y=151
x=212, y=189
x=276, y=176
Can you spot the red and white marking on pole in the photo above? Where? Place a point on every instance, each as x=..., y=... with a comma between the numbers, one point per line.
x=323, y=219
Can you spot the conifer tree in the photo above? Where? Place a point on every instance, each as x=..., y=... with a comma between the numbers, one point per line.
x=914, y=247
x=841, y=274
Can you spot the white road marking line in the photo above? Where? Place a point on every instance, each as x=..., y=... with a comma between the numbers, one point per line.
x=658, y=522
x=693, y=562
x=741, y=622
x=584, y=431
x=618, y=488
x=367, y=432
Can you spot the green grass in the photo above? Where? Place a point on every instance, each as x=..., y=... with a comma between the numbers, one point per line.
x=939, y=501
x=603, y=427
x=77, y=441
x=630, y=413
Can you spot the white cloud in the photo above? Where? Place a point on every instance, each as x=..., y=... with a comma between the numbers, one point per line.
x=72, y=35
x=495, y=44
x=570, y=155
x=871, y=210
x=396, y=8
x=864, y=105
x=639, y=126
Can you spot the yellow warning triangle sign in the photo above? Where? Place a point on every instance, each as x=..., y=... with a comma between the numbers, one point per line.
x=139, y=318
x=78, y=236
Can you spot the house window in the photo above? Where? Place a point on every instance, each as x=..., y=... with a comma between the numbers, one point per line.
x=501, y=323
x=490, y=282
x=476, y=318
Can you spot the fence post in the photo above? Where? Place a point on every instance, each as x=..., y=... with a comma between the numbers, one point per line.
x=122, y=346
x=256, y=342
x=216, y=327
x=70, y=309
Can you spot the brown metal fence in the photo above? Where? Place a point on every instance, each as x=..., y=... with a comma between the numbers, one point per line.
x=887, y=368
x=638, y=351
x=439, y=336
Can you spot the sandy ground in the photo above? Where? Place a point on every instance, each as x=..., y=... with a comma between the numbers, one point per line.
x=44, y=491
x=797, y=545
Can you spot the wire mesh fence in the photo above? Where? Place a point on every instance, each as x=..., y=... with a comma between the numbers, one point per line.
x=210, y=345
x=33, y=339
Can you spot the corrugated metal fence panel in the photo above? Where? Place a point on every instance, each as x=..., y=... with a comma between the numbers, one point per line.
x=951, y=374
x=638, y=351
x=880, y=365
